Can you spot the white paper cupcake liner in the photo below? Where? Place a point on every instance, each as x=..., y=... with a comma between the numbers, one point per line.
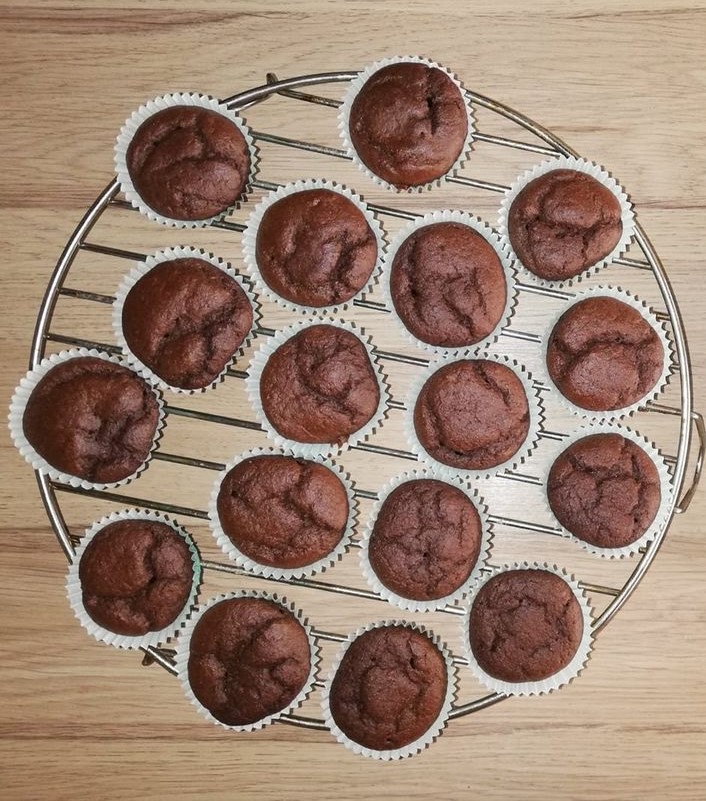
x=536, y=417
x=267, y=571
x=666, y=487
x=558, y=679
x=410, y=604
x=147, y=110
x=18, y=403
x=595, y=171
x=140, y=269
x=648, y=314
x=75, y=594
x=503, y=253
x=357, y=84
x=432, y=733
x=249, y=243
x=308, y=449
x=182, y=658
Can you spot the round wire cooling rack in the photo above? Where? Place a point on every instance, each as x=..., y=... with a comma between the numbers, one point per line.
x=537, y=143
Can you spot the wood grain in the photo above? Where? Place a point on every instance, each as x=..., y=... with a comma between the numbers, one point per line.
x=624, y=83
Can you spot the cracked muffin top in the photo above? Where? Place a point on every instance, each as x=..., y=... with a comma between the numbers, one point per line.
x=562, y=223
x=426, y=540
x=603, y=355
x=605, y=490
x=185, y=319
x=92, y=418
x=448, y=285
x=248, y=658
x=315, y=248
x=525, y=625
x=408, y=124
x=136, y=576
x=319, y=386
x=472, y=414
x=282, y=511
x=188, y=163
x=389, y=688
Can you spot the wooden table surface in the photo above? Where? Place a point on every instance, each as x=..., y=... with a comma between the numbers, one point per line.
x=625, y=84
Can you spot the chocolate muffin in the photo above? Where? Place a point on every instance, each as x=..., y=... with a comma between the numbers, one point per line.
x=408, y=124
x=249, y=658
x=185, y=319
x=315, y=248
x=281, y=511
x=562, y=223
x=92, y=419
x=389, y=689
x=426, y=540
x=603, y=355
x=448, y=285
x=472, y=414
x=525, y=625
x=319, y=386
x=605, y=490
x=188, y=162
x=136, y=576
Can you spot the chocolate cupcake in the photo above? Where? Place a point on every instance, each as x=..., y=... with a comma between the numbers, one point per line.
x=562, y=223
x=566, y=217
x=390, y=693
x=318, y=386
x=182, y=318
x=472, y=414
x=184, y=159
x=603, y=355
x=133, y=576
x=246, y=660
x=447, y=281
x=527, y=631
x=425, y=543
x=282, y=512
x=408, y=123
x=86, y=417
x=605, y=490
x=312, y=243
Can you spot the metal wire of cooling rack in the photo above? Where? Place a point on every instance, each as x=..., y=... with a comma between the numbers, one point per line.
x=551, y=146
